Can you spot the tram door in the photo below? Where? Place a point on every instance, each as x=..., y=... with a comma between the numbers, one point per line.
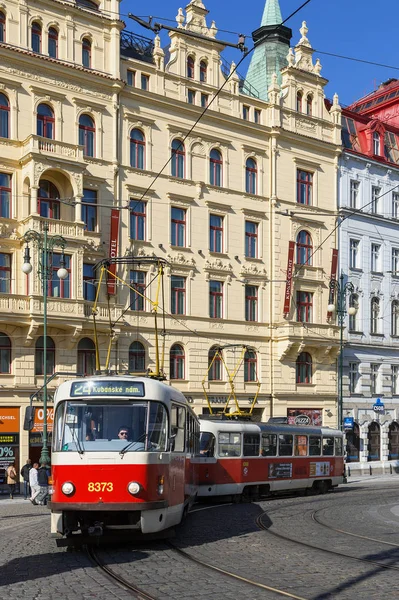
x=374, y=439
x=353, y=444
x=393, y=441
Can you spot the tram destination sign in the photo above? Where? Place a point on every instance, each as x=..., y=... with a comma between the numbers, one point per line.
x=82, y=389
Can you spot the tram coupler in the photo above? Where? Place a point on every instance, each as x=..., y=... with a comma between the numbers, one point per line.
x=97, y=530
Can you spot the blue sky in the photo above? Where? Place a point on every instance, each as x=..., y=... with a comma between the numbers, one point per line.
x=346, y=27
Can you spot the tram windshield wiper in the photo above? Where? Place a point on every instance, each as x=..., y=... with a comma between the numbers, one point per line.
x=77, y=441
x=141, y=440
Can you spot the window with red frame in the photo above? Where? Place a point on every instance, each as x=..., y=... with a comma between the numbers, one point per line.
x=36, y=37
x=299, y=97
x=251, y=303
x=304, y=307
x=5, y=353
x=86, y=53
x=2, y=27
x=250, y=366
x=215, y=168
x=45, y=121
x=309, y=105
x=87, y=134
x=137, y=282
x=39, y=356
x=48, y=200
x=178, y=227
x=304, y=368
x=251, y=176
x=5, y=273
x=190, y=67
x=4, y=116
x=137, y=149
x=216, y=299
x=86, y=357
x=304, y=248
x=251, y=239
x=177, y=362
x=138, y=220
x=53, y=42
x=214, y=364
x=203, y=71
x=178, y=295
x=304, y=187
x=178, y=159
x=59, y=288
x=136, y=358
x=5, y=195
x=215, y=233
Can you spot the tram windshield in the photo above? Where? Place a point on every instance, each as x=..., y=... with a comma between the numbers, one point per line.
x=117, y=427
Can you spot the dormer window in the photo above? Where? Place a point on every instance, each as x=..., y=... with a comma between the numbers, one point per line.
x=376, y=143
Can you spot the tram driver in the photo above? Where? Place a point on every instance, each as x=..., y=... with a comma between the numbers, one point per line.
x=123, y=433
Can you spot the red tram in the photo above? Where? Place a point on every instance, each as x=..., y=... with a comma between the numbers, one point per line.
x=258, y=459
x=122, y=456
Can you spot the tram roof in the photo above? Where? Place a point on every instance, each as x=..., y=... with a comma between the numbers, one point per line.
x=214, y=425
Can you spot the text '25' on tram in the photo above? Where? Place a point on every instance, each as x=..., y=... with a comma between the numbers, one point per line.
x=121, y=458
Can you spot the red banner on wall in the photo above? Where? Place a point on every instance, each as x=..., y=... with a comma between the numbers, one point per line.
x=290, y=272
x=334, y=265
x=113, y=250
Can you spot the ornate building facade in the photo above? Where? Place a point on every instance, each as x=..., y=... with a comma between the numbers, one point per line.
x=94, y=120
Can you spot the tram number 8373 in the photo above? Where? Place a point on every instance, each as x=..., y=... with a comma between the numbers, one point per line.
x=100, y=486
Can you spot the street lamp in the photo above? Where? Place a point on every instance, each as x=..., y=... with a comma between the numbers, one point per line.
x=339, y=290
x=45, y=247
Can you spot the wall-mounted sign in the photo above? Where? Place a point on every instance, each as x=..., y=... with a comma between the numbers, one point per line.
x=379, y=406
x=348, y=423
x=9, y=420
x=305, y=416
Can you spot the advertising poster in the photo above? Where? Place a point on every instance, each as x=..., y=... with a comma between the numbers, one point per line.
x=318, y=469
x=305, y=416
x=9, y=440
x=280, y=470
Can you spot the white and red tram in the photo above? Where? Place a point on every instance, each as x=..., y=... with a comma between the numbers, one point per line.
x=103, y=479
x=258, y=459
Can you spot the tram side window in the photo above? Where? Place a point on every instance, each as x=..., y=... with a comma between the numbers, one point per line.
x=229, y=444
x=192, y=442
x=285, y=444
x=301, y=445
x=269, y=444
x=178, y=420
x=314, y=445
x=339, y=446
x=157, y=427
x=251, y=444
x=328, y=446
x=207, y=447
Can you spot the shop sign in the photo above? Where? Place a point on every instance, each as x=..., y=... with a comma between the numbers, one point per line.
x=348, y=423
x=379, y=406
x=305, y=416
x=38, y=422
x=9, y=420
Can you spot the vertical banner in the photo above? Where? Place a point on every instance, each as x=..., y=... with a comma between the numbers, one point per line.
x=290, y=272
x=334, y=265
x=113, y=250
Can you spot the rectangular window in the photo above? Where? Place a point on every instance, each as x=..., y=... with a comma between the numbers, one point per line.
x=204, y=100
x=216, y=299
x=251, y=444
x=178, y=295
x=145, y=82
x=391, y=147
x=229, y=444
x=304, y=307
x=5, y=273
x=314, y=445
x=375, y=258
x=353, y=254
x=178, y=227
x=251, y=239
x=269, y=444
x=215, y=233
x=374, y=380
x=245, y=112
x=304, y=187
x=89, y=282
x=285, y=444
x=137, y=282
x=5, y=196
x=354, y=194
x=395, y=379
x=89, y=209
x=395, y=205
x=301, y=445
x=137, y=220
x=251, y=303
x=395, y=261
x=257, y=114
x=375, y=200
x=59, y=288
x=353, y=377
x=131, y=78
x=191, y=96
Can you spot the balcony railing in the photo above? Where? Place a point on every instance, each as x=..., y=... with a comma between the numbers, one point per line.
x=34, y=144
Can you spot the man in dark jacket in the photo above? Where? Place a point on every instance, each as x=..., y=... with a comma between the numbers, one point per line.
x=42, y=479
x=25, y=474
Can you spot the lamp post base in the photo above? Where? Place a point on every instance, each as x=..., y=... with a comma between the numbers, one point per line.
x=44, y=456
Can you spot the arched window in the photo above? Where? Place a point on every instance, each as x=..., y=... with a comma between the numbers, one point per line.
x=376, y=143
x=353, y=301
x=250, y=370
x=353, y=444
x=137, y=149
x=39, y=356
x=203, y=71
x=178, y=159
x=45, y=121
x=395, y=318
x=299, y=97
x=53, y=42
x=136, y=358
x=304, y=368
x=48, y=200
x=374, y=316
x=215, y=168
x=87, y=132
x=2, y=27
x=374, y=442
x=304, y=248
x=190, y=67
x=309, y=105
x=86, y=357
x=4, y=116
x=36, y=37
x=393, y=441
x=177, y=360
x=5, y=353
x=214, y=364
x=86, y=53
x=251, y=176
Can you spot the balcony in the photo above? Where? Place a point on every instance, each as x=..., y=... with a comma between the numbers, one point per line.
x=308, y=273
x=68, y=229
x=34, y=146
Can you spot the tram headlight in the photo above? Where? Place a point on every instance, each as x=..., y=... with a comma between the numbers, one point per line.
x=68, y=488
x=134, y=488
x=161, y=481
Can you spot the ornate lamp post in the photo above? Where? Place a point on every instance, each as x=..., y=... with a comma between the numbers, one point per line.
x=338, y=292
x=45, y=247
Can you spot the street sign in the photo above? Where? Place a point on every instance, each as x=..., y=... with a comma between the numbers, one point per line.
x=348, y=423
x=378, y=407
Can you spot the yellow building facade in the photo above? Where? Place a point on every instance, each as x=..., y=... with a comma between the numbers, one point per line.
x=91, y=121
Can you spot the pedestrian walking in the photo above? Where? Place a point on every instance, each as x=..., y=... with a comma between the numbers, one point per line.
x=33, y=482
x=42, y=477
x=12, y=479
x=25, y=474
